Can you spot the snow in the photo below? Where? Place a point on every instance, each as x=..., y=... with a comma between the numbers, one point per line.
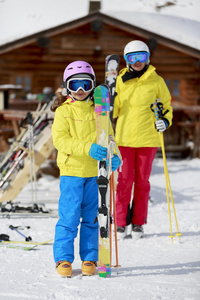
x=185, y=31
x=38, y=15
x=151, y=267
x=178, y=21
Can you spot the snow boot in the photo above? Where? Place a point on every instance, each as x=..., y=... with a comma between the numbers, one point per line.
x=121, y=232
x=137, y=231
x=88, y=267
x=128, y=232
x=64, y=268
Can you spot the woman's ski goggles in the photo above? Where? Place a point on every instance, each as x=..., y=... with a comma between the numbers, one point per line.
x=131, y=58
x=74, y=85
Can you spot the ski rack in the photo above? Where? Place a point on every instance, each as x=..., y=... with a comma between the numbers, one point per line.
x=43, y=147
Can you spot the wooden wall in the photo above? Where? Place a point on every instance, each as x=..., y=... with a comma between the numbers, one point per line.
x=44, y=64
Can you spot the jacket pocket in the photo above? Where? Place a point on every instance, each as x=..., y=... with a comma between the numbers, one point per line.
x=62, y=158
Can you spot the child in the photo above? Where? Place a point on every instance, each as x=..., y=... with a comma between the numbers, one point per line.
x=137, y=87
x=74, y=136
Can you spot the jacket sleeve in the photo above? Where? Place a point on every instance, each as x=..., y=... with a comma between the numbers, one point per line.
x=165, y=98
x=62, y=139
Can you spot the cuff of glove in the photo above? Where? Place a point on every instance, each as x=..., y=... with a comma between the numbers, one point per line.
x=166, y=122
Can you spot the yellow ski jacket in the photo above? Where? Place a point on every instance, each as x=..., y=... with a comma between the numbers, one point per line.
x=132, y=108
x=73, y=133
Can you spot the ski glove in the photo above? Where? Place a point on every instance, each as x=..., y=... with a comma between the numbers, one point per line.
x=115, y=162
x=98, y=152
x=161, y=125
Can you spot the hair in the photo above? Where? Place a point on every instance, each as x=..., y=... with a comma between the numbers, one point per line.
x=58, y=99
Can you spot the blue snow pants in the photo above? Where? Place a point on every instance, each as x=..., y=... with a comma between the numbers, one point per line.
x=78, y=200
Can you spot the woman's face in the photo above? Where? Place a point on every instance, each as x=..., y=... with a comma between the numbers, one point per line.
x=80, y=95
x=138, y=66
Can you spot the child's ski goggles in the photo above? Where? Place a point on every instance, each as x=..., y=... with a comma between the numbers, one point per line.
x=131, y=58
x=74, y=85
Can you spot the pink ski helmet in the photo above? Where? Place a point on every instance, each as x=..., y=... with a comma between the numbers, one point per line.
x=78, y=67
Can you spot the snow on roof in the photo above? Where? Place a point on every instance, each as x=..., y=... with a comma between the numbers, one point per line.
x=185, y=31
x=175, y=19
x=21, y=18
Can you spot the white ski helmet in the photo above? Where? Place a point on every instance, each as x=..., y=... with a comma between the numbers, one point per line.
x=136, y=46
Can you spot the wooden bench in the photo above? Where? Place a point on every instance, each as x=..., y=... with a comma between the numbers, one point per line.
x=15, y=117
x=9, y=126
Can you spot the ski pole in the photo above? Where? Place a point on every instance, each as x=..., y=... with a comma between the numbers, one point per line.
x=115, y=226
x=20, y=227
x=110, y=223
x=32, y=159
x=26, y=238
x=167, y=180
x=170, y=190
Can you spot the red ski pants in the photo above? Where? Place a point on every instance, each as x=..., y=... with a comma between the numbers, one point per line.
x=136, y=168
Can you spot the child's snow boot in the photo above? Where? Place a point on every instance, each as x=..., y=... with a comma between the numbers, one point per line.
x=88, y=268
x=64, y=268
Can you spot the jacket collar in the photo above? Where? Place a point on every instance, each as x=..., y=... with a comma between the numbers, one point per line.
x=70, y=100
x=127, y=75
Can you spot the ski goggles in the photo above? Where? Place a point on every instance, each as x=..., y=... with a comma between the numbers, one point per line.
x=85, y=84
x=132, y=58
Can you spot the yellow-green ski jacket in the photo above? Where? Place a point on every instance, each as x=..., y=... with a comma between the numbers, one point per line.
x=135, y=124
x=73, y=132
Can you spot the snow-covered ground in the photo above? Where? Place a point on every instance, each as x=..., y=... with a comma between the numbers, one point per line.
x=151, y=268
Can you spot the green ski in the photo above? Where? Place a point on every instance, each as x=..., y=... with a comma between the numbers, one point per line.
x=18, y=247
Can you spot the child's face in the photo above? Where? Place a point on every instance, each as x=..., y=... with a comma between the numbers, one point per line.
x=80, y=95
x=138, y=66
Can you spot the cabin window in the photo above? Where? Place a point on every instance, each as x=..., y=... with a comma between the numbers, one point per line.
x=176, y=88
x=25, y=81
x=173, y=86
x=19, y=80
x=27, y=84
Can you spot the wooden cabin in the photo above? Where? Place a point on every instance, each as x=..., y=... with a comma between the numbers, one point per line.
x=38, y=61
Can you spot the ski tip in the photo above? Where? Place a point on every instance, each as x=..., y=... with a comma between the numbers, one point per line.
x=102, y=85
x=102, y=88
x=114, y=56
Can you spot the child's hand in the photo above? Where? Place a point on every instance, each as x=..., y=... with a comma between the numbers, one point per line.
x=98, y=152
x=115, y=162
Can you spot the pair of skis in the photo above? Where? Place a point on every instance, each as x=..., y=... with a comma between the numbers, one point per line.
x=104, y=102
x=22, y=245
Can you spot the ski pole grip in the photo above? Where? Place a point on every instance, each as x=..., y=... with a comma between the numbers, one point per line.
x=29, y=118
x=155, y=109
